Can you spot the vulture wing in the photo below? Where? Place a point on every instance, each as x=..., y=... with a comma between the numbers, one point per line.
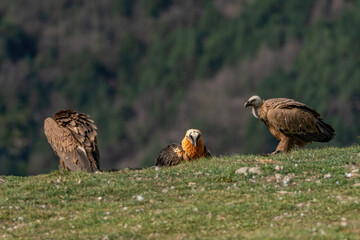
x=295, y=119
x=84, y=130
x=63, y=143
x=75, y=134
x=206, y=152
x=170, y=155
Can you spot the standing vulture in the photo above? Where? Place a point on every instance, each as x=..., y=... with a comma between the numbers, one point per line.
x=72, y=136
x=192, y=147
x=291, y=122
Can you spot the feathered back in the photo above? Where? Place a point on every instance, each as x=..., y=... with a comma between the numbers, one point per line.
x=295, y=119
x=72, y=135
x=81, y=125
x=171, y=155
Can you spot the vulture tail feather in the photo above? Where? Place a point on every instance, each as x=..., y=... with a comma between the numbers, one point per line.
x=327, y=132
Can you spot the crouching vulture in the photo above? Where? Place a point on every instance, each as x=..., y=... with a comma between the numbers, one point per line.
x=291, y=122
x=191, y=147
x=72, y=136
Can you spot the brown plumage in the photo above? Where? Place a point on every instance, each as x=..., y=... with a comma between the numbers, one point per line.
x=191, y=147
x=291, y=122
x=72, y=136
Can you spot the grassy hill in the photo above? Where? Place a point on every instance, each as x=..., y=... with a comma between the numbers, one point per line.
x=310, y=193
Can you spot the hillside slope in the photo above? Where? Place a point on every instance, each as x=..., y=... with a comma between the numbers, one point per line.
x=305, y=194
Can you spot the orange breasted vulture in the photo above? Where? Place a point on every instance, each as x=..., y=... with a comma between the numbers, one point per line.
x=291, y=122
x=191, y=147
x=72, y=136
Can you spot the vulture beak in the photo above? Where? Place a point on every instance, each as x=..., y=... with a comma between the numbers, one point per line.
x=247, y=104
x=194, y=138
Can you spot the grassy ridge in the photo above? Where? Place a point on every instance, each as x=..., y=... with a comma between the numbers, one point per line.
x=311, y=193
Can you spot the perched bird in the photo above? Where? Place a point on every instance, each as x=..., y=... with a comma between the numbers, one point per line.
x=192, y=147
x=72, y=136
x=291, y=122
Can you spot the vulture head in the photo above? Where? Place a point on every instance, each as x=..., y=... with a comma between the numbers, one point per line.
x=255, y=102
x=193, y=135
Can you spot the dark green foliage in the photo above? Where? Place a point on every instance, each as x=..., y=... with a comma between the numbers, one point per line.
x=131, y=51
x=130, y=65
x=170, y=62
x=155, y=7
x=261, y=23
x=85, y=77
x=124, y=7
x=15, y=43
x=211, y=53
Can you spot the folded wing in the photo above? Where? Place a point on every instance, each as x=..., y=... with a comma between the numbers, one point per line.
x=73, y=137
x=297, y=120
x=170, y=155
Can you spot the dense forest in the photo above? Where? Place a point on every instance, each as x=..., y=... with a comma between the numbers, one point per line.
x=147, y=70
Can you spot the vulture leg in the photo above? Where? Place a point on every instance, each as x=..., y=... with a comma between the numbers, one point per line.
x=62, y=165
x=285, y=145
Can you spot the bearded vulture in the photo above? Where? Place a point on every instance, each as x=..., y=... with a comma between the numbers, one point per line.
x=191, y=147
x=72, y=136
x=291, y=122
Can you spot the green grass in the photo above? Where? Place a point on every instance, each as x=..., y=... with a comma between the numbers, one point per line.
x=201, y=199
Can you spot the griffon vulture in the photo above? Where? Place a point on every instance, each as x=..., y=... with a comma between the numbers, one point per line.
x=291, y=122
x=192, y=147
x=72, y=136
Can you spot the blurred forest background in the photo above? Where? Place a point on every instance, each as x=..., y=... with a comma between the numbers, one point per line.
x=147, y=70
